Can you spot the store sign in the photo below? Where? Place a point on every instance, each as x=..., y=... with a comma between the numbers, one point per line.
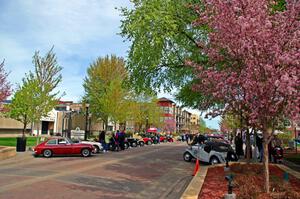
x=77, y=134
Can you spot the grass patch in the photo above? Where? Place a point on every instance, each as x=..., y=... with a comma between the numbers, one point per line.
x=12, y=141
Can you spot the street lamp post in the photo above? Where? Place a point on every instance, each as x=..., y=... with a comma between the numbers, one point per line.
x=86, y=121
x=69, y=124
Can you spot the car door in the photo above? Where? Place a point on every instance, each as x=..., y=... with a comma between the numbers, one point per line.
x=52, y=145
x=204, y=152
x=197, y=151
x=64, y=147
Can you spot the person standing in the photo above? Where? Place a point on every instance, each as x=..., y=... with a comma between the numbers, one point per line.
x=259, y=144
x=121, y=139
x=115, y=141
x=102, y=140
x=239, y=145
x=107, y=141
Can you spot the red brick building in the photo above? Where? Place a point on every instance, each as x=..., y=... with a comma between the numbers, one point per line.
x=168, y=117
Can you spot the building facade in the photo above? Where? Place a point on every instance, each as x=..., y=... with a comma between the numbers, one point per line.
x=175, y=118
x=168, y=114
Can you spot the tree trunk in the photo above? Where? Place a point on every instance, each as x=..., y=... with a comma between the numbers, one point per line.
x=24, y=129
x=255, y=147
x=248, y=146
x=31, y=128
x=106, y=125
x=267, y=134
x=38, y=133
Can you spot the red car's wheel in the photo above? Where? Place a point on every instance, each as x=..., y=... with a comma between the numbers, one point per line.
x=85, y=152
x=47, y=153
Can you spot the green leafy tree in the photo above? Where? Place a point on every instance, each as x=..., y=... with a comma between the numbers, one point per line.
x=23, y=104
x=105, y=91
x=48, y=75
x=5, y=86
x=144, y=112
x=202, y=125
x=162, y=39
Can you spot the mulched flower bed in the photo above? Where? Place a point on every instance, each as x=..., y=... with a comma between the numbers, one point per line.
x=249, y=183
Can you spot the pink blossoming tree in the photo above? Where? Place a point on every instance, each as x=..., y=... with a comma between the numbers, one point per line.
x=253, y=62
x=5, y=87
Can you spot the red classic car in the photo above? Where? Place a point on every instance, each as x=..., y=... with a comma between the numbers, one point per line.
x=163, y=139
x=62, y=146
x=147, y=140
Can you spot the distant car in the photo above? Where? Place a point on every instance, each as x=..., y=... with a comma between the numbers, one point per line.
x=62, y=146
x=147, y=140
x=163, y=139
x=170, y=139
x=133, y=142
x=97, y=145
x=210, y=152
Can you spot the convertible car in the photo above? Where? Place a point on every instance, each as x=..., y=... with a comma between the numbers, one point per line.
x=97, y=145
x=62, y=146
x=210, y=152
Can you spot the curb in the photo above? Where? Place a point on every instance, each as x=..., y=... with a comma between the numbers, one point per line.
x=194, y=188
x=7, y=152
x=289, y=170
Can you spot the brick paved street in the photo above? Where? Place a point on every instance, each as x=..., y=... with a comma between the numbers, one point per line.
x=148, y=172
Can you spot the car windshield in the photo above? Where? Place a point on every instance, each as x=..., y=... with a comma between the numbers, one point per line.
x=69, y=140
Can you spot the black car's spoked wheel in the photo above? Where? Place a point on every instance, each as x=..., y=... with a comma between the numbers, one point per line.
x=214, y=160
x=187, y=157
x=141, y=143
x=134, y=144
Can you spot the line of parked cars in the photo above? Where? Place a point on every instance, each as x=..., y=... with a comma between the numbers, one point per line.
x=65, y=146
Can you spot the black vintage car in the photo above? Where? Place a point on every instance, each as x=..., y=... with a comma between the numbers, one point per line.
x=133, y=142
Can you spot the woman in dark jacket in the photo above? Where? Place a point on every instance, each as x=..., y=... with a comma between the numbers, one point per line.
x=239, y=145
x=102, y=140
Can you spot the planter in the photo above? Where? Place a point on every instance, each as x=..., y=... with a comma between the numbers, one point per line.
x=249, y=182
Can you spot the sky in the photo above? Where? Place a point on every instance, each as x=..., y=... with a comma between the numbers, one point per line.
x=79, y=30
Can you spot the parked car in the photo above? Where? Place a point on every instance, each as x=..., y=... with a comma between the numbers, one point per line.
x=216, y=138
x=133, y=142
x=210, y=152
x=163, y=139
x=62, y=146
x=147, y=140
x=97, y=145
x=170, y=139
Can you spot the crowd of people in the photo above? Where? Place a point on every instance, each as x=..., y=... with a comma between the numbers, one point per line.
x=115, y=141
x=239, y=143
